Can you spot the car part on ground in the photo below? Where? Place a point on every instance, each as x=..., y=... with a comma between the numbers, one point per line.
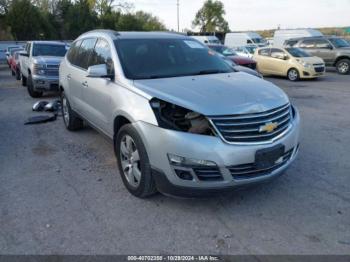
x=181, y=118
x=40, y=119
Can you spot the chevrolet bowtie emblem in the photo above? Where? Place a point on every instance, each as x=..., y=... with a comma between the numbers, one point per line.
x=268, y=127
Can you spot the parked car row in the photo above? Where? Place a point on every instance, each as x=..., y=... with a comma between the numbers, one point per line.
x=334, y=51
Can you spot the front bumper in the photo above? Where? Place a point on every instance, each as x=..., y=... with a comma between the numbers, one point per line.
x=312, y=72
x=161, y=142
x=45, y=83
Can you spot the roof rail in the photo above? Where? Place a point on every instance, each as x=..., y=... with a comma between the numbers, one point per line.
x=108, y=31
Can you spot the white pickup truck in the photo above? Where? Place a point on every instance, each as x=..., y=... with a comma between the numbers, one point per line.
x=39, y=66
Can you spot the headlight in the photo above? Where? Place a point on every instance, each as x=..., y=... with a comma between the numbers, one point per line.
x=177, y=118
x=39, y=66
x=305, y=64
x=39, y=69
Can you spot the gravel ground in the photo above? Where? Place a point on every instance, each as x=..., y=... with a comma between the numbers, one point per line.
x=60, y=192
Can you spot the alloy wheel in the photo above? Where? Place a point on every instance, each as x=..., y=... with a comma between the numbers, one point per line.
x=343, y=67
x=65, y=110
x=130, y=161
x=293, y=75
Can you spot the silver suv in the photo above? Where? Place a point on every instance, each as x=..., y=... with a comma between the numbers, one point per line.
x=182, y=120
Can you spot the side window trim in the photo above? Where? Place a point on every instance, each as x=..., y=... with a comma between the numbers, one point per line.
x=82, y=40
x=109, y=48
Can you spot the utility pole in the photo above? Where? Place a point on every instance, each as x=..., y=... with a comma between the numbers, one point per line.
x=178, y=17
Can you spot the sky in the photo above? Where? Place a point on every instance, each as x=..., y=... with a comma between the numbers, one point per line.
x=255, y=14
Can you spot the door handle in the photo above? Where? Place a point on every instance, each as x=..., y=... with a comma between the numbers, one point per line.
x=69, y=77
x=84, y=84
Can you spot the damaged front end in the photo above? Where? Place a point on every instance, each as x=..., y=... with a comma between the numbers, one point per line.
x=174, y=117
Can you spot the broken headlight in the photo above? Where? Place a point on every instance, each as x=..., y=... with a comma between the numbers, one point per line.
x=177, y=118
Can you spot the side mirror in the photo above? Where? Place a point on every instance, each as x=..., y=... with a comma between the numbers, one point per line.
x=98, y=71
x=24, y=54
x=330, y=47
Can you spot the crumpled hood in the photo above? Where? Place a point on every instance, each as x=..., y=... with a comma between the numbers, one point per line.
x=52, y=60
x=219, y=94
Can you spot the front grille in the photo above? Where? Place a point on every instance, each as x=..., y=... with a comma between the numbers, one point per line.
x=246, y=171
x=51, y=72
x=208, y=173
x=52, y=66
x=248, y=128
x=319, y=69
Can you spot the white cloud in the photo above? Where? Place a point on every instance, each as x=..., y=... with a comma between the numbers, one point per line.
x=256, y=14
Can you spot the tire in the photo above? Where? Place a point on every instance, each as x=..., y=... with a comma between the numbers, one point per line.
x=24, y=80
x=141, y=185
x=18, y=75
x=31, y=92
x=71, y=120
x=293, y=74
x=343, y=66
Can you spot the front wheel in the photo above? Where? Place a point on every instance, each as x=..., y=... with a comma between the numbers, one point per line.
x=343, y=66
x=133, y=163
x=30, y=87
x=293, y=74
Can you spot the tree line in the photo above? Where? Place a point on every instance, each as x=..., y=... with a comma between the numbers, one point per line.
x=67, y=19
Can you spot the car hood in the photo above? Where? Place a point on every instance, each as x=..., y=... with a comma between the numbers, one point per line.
x=54, y=60
x=219, y=94
x=312, y=60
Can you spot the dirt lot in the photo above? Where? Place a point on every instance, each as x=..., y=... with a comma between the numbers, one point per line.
x=60, y=192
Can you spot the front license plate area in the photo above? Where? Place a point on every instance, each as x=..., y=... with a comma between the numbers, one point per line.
x=267, y=157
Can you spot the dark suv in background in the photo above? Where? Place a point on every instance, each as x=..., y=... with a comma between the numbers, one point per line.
x=334, y=51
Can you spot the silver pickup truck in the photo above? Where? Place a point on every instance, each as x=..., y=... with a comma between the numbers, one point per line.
x=39, y=66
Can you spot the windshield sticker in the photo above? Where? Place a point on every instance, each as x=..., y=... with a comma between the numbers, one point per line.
x=193, y=44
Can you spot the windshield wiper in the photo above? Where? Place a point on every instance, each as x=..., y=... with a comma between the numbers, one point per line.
x=209, y=72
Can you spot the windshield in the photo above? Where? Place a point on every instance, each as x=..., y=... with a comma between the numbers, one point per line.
x=259, y=40
x=224, y=50
x=339, y=42
x=161, y=58
x=297, y=52
x=49, y=50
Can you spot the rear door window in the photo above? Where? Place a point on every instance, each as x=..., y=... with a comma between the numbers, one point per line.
x=264, y=52
x=321, y=43
x=73, y=51
x=310, y=43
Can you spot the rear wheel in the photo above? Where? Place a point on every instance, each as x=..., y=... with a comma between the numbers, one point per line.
x=133, y=163
x=343, y=66
x=31, y=91
x=293, y=74
x=71, y=120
